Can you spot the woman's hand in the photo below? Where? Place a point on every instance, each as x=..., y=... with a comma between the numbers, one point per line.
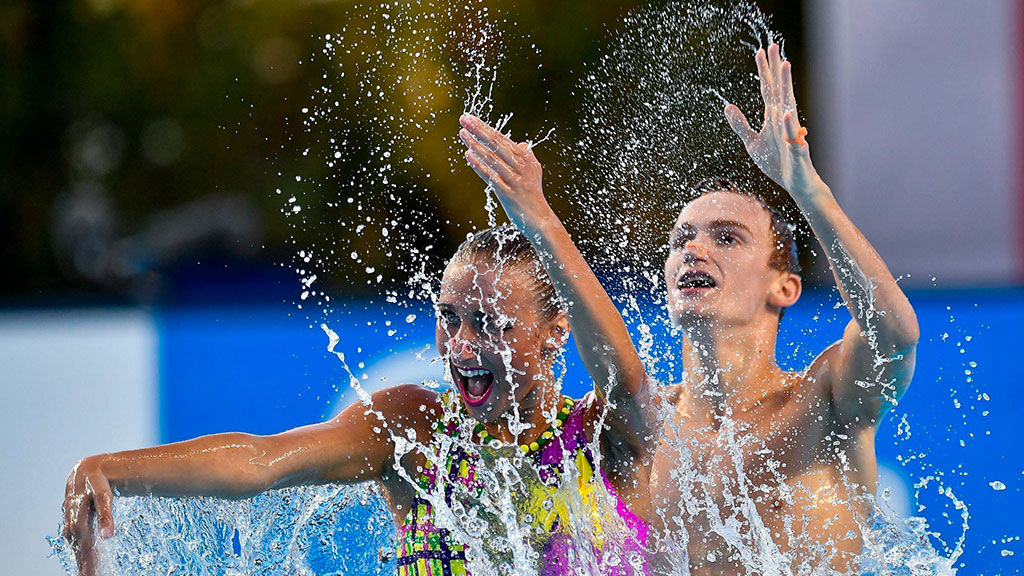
x=87, y=493
x=509, y=167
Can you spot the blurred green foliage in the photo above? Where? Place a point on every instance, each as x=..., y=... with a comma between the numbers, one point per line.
x=165, y=101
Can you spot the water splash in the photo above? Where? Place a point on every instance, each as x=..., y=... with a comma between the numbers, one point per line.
x=306, y=530
x=647, y=122
x=651, y=120
x=403, y=72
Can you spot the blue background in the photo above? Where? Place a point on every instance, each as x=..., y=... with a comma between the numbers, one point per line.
x=265, y=369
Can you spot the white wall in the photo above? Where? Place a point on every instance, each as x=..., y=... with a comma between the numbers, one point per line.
x=917, y=123
x=71, y=384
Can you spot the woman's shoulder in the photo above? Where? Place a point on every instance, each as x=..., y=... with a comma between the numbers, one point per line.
x=410, y=404
x=409, y=392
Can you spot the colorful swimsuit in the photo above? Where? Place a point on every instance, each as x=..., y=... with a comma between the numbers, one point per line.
x=425, y=549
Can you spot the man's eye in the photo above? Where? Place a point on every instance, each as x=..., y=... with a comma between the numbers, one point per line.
x=448, y=317
x=679, y=241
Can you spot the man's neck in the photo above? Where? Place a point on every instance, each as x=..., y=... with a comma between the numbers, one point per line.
x=730, y=367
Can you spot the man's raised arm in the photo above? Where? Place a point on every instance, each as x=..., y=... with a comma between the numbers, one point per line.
x=870, y=368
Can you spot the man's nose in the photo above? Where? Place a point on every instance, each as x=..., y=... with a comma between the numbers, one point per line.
x=695, y=250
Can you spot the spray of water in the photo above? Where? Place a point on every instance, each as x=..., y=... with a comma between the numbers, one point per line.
x=650, y=120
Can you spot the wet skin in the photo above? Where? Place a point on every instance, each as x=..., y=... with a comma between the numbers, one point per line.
x=806, y=439
x=799, y=446
x=489, y=322
x=357, y=445
x=622, y=400
x=717, y=270
x=801, y=465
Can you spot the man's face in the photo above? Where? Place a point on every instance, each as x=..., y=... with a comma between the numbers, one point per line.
x=717, y=269
x=491, y=332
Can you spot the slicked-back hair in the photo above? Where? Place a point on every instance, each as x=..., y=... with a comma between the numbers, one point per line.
x=506, y=248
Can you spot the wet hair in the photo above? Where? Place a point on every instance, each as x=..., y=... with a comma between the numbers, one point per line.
x=784, y=254
x=508, y=248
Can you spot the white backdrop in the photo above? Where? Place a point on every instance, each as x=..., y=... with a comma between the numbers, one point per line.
x=917, y=126
x=71, y=384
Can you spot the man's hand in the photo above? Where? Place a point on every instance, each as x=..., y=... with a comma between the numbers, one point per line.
x=872, y=365
x=509, y=167
x=87, y=492
x=779, y=150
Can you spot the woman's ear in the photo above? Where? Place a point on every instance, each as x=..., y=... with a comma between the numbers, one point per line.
x=786, y=290
x=558, y=334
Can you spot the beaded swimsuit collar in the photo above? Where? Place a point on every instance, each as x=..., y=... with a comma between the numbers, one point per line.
x=487, y=439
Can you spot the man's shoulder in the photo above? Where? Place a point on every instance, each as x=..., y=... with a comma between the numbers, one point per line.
x=818, y=372
x=671, y=393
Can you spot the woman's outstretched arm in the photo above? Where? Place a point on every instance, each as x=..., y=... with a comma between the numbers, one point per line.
x=346, y=448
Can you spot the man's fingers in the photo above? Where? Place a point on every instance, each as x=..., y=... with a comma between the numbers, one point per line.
x=483, y=171
x=738, y=123
x=788, y=96
x=489, y=137
x=794, y=132
x=496, y=164
x=775, y=72
x=763, y=74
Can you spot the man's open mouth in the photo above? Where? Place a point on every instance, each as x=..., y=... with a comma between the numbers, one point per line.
x=474, y=383
x=694, y=281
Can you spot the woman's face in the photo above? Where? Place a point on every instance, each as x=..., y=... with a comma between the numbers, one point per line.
x=493, y=336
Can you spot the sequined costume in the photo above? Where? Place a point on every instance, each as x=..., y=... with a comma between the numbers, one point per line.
x=425, y=549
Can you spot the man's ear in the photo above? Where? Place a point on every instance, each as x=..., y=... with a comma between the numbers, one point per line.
x=557, y=334
x=786, y=290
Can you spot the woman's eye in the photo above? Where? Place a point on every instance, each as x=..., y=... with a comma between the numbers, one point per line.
x=496, y=325
x=727, y=238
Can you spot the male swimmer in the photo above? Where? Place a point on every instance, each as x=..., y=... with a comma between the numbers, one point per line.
x=500, y=326
x=758, y=470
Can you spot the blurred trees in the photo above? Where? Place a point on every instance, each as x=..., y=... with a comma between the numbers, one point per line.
x=125, y=120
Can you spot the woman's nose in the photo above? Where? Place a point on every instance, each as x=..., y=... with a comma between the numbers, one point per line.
x=460, y=348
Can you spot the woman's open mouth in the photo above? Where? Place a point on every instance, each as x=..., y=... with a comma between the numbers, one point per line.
x=474, y=384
